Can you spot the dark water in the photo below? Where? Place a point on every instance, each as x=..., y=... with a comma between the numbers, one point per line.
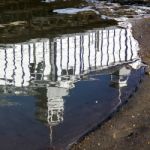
x=52, y=91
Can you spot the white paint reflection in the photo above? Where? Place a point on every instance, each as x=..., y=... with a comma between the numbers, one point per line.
x=48, y=1
x=66, y=56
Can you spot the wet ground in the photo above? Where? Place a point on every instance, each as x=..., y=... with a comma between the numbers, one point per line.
x=54, y=83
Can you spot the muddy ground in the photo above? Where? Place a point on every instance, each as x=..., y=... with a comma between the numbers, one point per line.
x=129, y=129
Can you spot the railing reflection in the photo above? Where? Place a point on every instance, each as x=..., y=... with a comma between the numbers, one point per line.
x=63, y=57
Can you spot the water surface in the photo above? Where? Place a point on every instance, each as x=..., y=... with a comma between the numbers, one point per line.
x=54, y=90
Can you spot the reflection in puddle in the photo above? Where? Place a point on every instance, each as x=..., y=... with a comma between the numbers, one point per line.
x=68, y=56
x=74, y=10
x=48, y=1
x=64, y=82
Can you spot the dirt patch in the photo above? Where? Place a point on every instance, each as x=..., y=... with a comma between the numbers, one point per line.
x=141, y=30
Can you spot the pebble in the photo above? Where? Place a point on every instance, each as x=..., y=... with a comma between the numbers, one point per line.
x=147, y=72
x=133, y=125
x=98, y=144
x=114, y=135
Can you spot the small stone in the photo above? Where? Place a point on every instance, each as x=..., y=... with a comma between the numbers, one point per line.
x=133, y=116
x=98, y=144
x=87, y=138
x=133, y=125
x=147, y=73
x=114, y=135
x=2, y=26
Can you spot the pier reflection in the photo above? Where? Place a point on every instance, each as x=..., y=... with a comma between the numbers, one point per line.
x=70, y=76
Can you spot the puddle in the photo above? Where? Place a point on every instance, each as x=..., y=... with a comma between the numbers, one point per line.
x=53, y=91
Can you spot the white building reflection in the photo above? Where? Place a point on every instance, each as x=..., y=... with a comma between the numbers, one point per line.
x=48, y=1
x=68, y=55
x=60, y=62
x=55, y=105
x=120, y=77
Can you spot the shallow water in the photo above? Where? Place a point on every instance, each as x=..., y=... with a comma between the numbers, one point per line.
x=53, y=91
